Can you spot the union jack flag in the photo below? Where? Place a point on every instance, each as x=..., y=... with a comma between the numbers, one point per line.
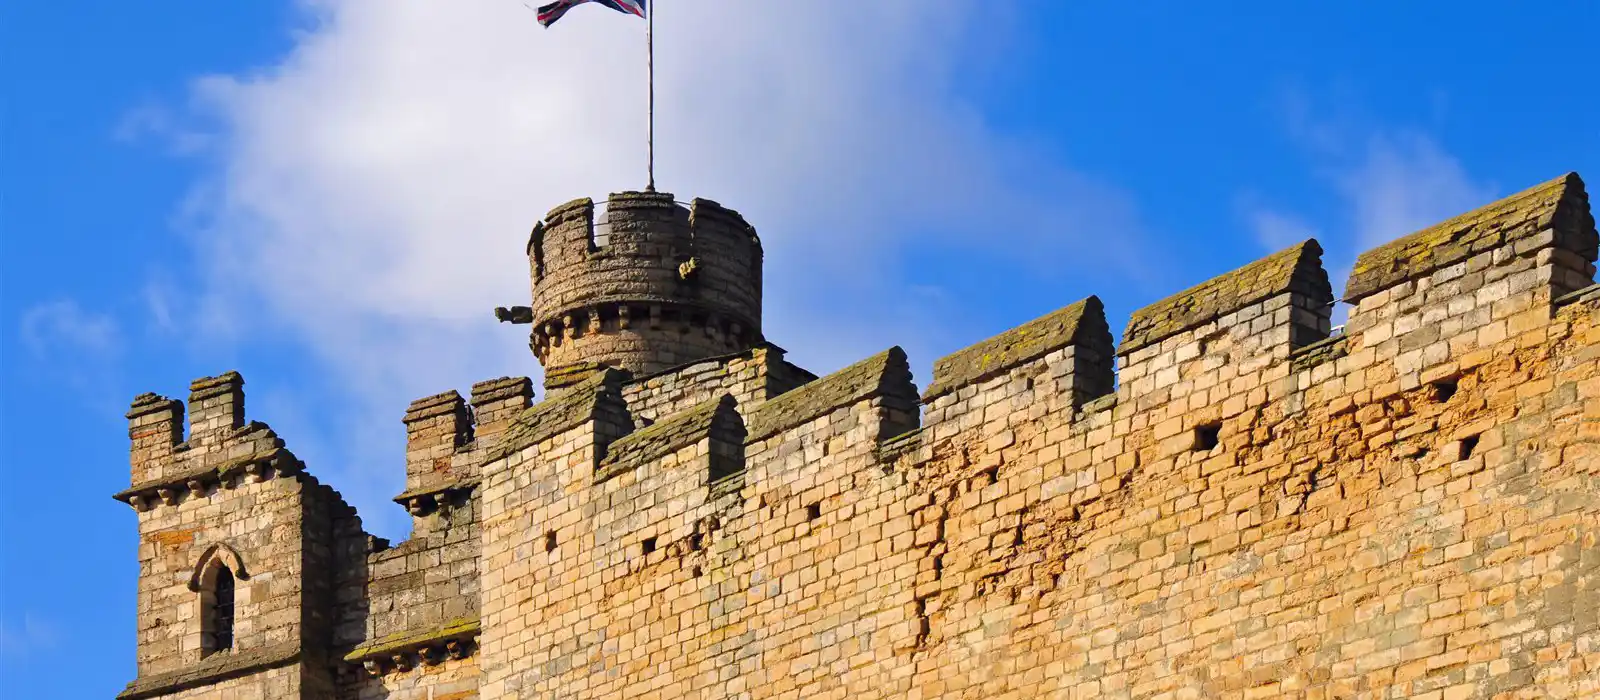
x=548, y=14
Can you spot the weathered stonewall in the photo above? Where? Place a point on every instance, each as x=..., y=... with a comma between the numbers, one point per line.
x=1231, y=502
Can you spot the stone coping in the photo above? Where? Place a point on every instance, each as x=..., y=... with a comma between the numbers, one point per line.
x=661, y=439
x=899, y=445
x=1589, y=293
x=885, y=373
x=1297, y=268
x=559, y=413
x=1560, y=203
x=278, y=458
x=431, y=643
x=207, y=387
x=1083, y=322
x=1325, y=350
x=215, y=668
x=500, y=389
x=441, y=404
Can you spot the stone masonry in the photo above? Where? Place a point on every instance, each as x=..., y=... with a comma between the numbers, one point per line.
x=1234, y=501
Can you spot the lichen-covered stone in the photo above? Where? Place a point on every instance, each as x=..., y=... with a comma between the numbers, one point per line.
x=886, y=373
x=1561, y=205
x=1082, y=323
x=1296, y=269
x=1254, y=509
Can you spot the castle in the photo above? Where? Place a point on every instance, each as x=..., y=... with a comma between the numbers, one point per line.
x=1234, y=501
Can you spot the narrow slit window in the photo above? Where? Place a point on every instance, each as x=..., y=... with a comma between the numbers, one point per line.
x=550, y=541
x=222, y=610
x=813, y=511
x=1468, y=445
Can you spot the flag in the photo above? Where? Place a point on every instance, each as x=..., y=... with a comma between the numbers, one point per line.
x=548, y=14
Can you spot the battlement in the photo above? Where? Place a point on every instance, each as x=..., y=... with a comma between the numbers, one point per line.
x=648, y=284
x=1403, y=505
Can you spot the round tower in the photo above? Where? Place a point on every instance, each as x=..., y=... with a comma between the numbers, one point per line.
x=647, y=285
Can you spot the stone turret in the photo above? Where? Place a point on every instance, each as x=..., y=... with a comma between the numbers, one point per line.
x=644, y=286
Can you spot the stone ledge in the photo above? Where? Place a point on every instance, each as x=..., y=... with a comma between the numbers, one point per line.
x=401, y=650
x=166, y=488
x=1081, y=323
x=213, y=669
x=1295, y=269
x=423, y=499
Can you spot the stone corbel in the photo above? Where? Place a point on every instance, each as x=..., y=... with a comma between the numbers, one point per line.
x=168, y=495
x=197, y=487
x=418, y=506
x=402, y=661
x=622, y=317
x=457, y=648
x=432, y=655
x=374, y=667
x=255, y=473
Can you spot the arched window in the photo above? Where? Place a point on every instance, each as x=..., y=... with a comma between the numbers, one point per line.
x=221, y=611
x=215, y=578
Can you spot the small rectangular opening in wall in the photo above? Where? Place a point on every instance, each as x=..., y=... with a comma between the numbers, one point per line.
x=600, y=229
x=649, y=545
x=813, y=511
x=1468, y=445
x=1443, y=390
x=550, y=541
x=1207, y=437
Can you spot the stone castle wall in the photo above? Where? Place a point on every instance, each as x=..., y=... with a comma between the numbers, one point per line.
x=1248, y=506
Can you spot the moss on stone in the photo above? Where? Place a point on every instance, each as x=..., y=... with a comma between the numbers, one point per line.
x=1081, y=323
x=1298, y=269
x=407, y=640
x=1560, y=203
x=887, y=372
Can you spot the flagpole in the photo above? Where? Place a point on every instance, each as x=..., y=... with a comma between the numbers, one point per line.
x=650, y=70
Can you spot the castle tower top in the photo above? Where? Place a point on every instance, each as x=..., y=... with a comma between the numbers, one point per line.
x=645, y=285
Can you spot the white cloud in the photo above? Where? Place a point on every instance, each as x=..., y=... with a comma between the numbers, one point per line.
x=1389, y=181
x=1273, y=229
x=61, y=327
x=1406, y=182
x=375, y=187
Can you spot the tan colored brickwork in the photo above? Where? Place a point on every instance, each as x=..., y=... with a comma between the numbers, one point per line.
x=1252, y=509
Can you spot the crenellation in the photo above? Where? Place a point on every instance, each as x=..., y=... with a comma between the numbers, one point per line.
x=1250, y=506
x=496, y=402
x=216, y=406
x=155, y=429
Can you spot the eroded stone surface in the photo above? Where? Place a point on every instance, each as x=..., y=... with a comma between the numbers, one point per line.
x=1411, y=509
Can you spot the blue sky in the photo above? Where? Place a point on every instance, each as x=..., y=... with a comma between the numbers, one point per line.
x=331, y=197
